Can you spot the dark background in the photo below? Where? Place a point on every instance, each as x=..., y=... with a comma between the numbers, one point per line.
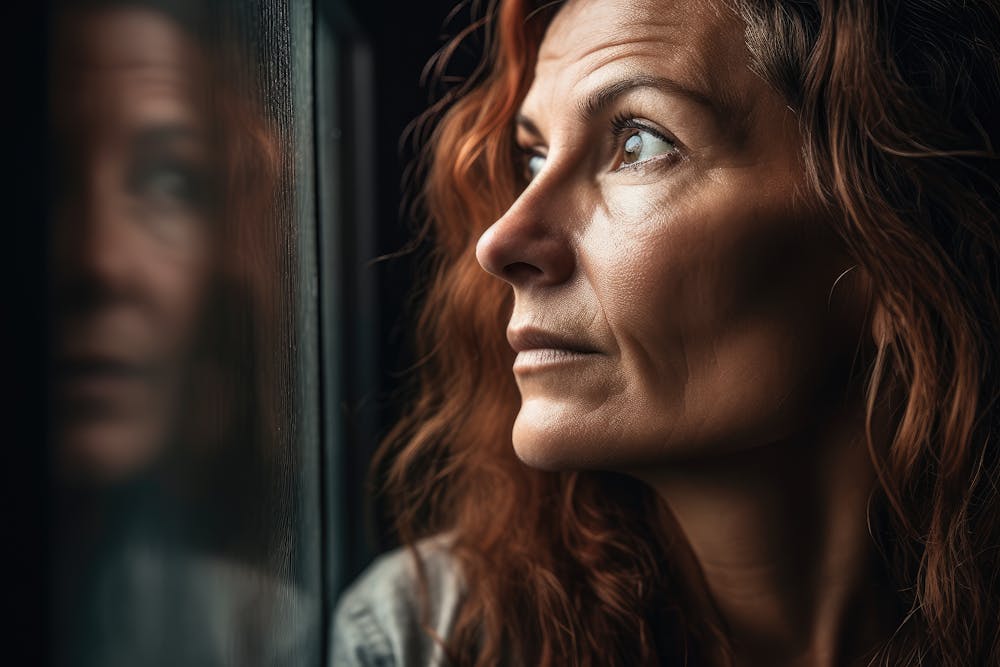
x=23, y=369
x=402, y=37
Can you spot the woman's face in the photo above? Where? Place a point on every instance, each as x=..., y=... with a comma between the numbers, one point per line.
x=672, y=286
x=131, y=235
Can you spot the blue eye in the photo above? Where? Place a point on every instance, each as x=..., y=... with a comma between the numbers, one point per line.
x=534, y=165
x=644, y=145
x=168, y=182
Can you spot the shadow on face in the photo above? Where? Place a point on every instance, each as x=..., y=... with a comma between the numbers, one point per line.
x=673, y=285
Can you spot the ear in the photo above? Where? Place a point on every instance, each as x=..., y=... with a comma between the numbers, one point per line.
x=854, y=292
x=865, y=303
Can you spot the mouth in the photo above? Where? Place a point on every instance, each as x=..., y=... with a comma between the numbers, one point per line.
x=530, y=339
x=537, y=349
x=96, y=378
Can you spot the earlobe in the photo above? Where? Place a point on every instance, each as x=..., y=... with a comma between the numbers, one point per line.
x=829, y=299
x=854, y=290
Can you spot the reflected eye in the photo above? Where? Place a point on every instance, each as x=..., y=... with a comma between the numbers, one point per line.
x=641, y=143
x=171, y=196
x=168, y=183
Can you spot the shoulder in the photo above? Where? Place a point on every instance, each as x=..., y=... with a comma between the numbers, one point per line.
x=210, y=601
x=377, y=621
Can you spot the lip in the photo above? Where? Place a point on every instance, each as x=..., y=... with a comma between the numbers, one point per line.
x=538, y=350
x=96, y=376
x=527, y=339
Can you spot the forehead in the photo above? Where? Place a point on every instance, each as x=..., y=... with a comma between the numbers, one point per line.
x=697, y=43
x=128, y=61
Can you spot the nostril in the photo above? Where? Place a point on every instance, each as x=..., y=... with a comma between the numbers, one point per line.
x=520, y=272
x=523, y=247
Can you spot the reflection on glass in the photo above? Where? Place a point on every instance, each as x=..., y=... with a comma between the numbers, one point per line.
x=134, y=236
x=173, y=462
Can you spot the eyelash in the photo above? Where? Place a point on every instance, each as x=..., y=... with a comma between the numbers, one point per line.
x=625, y=121
x=525, y=154
x=621, y=124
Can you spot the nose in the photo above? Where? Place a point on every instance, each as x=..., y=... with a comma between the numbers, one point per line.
x=529, y=245
x=91, y=232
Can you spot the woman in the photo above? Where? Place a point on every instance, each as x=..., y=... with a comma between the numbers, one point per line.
x=748, y=258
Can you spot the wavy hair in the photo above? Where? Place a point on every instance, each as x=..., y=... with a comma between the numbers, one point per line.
x=896, y=102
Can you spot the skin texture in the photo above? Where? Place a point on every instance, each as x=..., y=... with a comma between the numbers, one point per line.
x=692, y=321
x=702, y=281
x=132, y=236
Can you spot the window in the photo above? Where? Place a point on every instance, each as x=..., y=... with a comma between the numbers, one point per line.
x=185, y=428
x=210, y=351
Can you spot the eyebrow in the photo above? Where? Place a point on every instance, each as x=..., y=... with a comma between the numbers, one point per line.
x=599, y=100
x=161, y=136
x=529, y=125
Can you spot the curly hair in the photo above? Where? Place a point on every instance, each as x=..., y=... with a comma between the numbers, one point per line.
x=896, y=103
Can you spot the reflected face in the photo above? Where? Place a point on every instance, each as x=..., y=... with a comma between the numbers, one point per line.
x=131, y=235
x=672, y=291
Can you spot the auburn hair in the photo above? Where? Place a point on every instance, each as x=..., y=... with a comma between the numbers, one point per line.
x=896, y=103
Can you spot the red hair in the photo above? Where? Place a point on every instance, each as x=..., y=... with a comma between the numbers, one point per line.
x=897, y=110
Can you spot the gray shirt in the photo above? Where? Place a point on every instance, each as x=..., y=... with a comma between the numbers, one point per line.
x=377, y=622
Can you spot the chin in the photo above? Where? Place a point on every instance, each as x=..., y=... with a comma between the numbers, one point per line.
x=105, y=453
x=557, y=437
x=541, y=436
x=551, y=437
x=543, y=455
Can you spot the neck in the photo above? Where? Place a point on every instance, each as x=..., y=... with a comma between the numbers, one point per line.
x=781, y=537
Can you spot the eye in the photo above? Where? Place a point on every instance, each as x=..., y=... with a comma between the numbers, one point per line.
x=167, y=183
x=641, y=143
x=535, y=164
x=532, y=163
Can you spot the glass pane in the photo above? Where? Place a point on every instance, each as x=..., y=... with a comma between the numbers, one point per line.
x=183, y=348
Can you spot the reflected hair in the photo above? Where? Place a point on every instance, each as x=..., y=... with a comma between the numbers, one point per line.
x=896, y=103
x=231, y=464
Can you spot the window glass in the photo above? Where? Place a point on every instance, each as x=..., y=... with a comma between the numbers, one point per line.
x=183, y=348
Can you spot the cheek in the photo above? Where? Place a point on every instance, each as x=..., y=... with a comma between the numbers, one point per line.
x=721, y=311
x=176, y=280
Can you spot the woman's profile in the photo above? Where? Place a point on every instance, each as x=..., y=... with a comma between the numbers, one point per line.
x=710, y=367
